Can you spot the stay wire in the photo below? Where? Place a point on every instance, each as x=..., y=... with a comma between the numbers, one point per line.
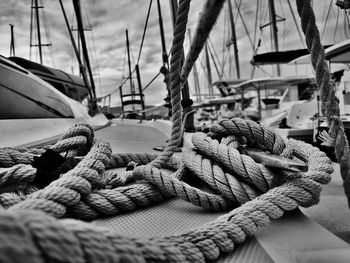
x=144, y=30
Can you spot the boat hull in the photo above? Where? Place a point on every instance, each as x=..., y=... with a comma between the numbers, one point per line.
x=22, y=95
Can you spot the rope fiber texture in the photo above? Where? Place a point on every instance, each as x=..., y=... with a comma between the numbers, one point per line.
x=330, y=103
x=32, y=226
x=77, y=193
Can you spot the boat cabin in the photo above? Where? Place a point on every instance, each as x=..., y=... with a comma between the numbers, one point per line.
x=273, y=95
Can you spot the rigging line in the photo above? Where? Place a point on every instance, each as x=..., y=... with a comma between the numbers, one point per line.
x=132, y=56
x=286, y=31
x=336, y=26
x=121, y=84
x=224, y=63
x=92, y=46
x=326, y=20
x=213, y=58
x=223, y=42
x=239, y=6
x=296, y=24
x=144, y=30
x=123, y=68
x=264, y=71
x=48, y=37
x=149, y=83
x=126, y=79
x=214, y=52
x=256, y=22
x=244, y=24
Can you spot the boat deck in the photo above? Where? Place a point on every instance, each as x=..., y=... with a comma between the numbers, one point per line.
x=293, y=238
x=127, y=136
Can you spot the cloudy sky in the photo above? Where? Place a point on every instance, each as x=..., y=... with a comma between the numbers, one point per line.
x=109, y=19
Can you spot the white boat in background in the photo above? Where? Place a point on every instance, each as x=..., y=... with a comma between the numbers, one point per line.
x=283, y=103
x=30, y=108
x=338, y=57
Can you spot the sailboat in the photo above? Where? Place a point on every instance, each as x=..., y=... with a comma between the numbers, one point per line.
x=40, y=101
x=167, y=229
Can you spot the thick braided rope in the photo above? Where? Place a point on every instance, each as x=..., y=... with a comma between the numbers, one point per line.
x=72, y=241
x=175, y=85
x=16, y=176
x=206, y=21
x=242, y=165
x=78, y=139
x=67, y=190
x=107, y=202
x=330, y=103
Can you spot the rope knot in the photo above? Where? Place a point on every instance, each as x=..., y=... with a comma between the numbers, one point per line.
x=78, y=140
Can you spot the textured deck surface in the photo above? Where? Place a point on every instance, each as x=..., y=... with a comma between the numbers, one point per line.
x=285, y=240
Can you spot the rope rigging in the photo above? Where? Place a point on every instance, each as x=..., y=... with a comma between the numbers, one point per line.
x=86, y=188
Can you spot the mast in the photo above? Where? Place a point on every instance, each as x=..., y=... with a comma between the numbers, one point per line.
x=77, y=8
x=12, y=44
x=234, y=39
x=195, y=73
x=209, y=77
x=140, y=89
x=165, y=68
x=76, y=51
x=38, y=29
x=35, y=9
x=162, y=38
x=186, y=100
x=274, y=30
x=127, y=46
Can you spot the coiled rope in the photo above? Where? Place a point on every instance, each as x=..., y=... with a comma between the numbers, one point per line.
x=29, y=221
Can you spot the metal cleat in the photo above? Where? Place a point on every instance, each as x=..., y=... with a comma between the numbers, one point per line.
x=275, y=161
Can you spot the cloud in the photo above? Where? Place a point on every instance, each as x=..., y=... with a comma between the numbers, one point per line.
x=110, y=18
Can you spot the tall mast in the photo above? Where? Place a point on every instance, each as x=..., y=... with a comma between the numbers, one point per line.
x=162, y=38
x=38, y=29
x=234, y=39
x=12, y=44
x=76, y=51
x=77, y=8
x=129, y=64
x=274, y=30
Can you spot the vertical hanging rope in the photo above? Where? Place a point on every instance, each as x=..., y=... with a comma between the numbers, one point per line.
x=330, y=103
x=175, y=85
x=206, y=21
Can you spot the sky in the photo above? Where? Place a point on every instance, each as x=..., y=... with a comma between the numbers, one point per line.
x=109, y=19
